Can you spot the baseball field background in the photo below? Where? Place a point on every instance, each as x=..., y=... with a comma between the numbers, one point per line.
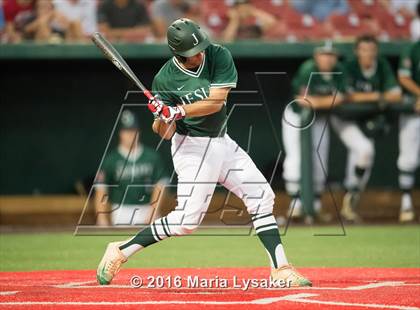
x=362, y=246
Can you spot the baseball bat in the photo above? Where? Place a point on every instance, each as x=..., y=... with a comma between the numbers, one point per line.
x=112, y=54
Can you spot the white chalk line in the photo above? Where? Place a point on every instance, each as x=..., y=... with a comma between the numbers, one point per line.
x=375, y=285
x=261, y=301
x=339, y=303
x=74, y=284
x=5, y=293
x=300, y=298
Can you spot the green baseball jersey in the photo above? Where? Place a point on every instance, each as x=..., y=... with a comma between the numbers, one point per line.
x=379, y=79
x=131, y=178
x=311, y=81
x=176, y=85
x=410, y=63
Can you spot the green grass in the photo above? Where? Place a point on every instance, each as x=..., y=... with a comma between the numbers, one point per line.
x=366, y=246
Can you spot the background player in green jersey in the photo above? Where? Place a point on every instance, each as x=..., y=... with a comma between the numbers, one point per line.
x=370, y=80
x=409, y=138
x=130, y=179
x=193, y=87
x=318, y=84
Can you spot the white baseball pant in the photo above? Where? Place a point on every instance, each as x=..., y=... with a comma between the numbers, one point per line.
x=361, y=150
x=291, y=129
x=132, y=214
x=409, y=145
x=202, y=162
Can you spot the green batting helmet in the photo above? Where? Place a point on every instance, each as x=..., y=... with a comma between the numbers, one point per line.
x=186, y=39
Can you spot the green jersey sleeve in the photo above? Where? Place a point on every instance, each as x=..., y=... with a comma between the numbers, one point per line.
x=389, y=81
x=160, y=90
x=105, y=172
x=224, y=71
x=300, y=80
x=349, y=78
x=405, y=67
x=341, y=78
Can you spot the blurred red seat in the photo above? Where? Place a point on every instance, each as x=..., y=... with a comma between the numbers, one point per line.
x=348, y=26
x=397, y=26
x=215, y=14
x=275, y=7
x=391, y=26
x=361, y=7
x=302, y=27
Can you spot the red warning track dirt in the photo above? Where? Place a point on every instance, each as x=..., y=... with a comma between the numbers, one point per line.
x=334, y=288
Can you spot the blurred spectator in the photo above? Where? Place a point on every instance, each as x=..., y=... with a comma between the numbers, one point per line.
x=83, y=11
x=370, y=80
x=48, y=25
x=131, y=179
x=415, y=26
x=321, y=9
x=1, y=16
x=126, y=20
x=164, y=12
x=247, y=22
x=1, y=22
x=325, y=90
x=409, y=139
x=16, y=14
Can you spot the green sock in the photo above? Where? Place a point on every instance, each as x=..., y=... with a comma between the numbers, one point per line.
x=157, y=231
x=143, y=238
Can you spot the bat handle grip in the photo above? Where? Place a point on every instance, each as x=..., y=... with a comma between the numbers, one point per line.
x=148, y=94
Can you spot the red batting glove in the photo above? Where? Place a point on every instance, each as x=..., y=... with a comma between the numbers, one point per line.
x=155, y=106
x=170, y=114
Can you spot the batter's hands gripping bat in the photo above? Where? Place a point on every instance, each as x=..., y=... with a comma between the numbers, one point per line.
x=112, y=54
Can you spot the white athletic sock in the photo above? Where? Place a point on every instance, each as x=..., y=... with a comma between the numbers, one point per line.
x=281, y=256
x=131, y=249
x=295, y=206
x=406, y=180
x=406, y=203
x=317, y=206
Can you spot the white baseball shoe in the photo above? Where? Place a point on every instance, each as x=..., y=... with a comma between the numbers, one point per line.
x=350, y=202
x=406, y=216
x=110, y=264
x=406, y=211
x=295, y=211
x=289, y=276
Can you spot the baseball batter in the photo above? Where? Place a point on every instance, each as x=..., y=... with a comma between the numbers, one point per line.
x=192, y=89
x=409, y=138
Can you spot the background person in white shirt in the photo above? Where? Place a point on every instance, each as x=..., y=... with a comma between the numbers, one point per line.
x=79, y=10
